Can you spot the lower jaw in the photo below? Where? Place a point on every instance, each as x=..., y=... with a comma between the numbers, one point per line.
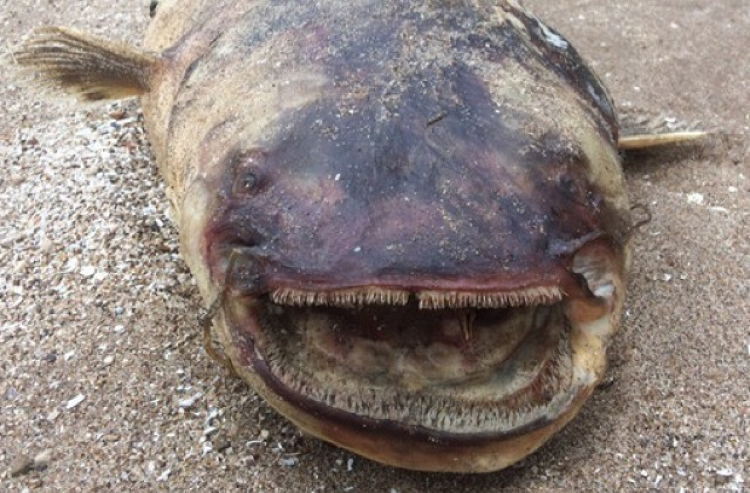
x=408, y=443
x=408, y=446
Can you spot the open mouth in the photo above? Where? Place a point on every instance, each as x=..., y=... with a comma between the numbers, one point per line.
x=446, y=366
x=423, y=372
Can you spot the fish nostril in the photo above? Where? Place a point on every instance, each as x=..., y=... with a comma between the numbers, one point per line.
x=248, y=241
x=568, y=185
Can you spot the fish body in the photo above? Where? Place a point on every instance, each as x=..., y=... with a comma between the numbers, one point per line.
x=410, y=217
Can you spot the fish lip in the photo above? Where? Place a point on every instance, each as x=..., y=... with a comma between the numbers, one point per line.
x=260, y=280
x=419, y=282
x=260, y=270
x=251, y=356
x=391, y=427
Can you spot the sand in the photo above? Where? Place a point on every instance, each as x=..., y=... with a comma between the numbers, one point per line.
x=106, y=384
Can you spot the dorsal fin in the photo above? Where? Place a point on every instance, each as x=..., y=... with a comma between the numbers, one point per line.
x=90, y=68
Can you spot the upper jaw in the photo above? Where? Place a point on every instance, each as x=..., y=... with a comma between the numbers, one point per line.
x=243, y=271
x=563, y=269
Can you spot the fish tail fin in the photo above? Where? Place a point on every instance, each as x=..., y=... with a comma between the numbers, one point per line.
x=88, y=67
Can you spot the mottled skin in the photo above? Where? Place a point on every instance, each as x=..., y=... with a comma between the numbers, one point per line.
x=428, y=145
x=376, y=159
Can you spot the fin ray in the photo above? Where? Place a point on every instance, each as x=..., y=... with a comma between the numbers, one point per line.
x=641, y=129
x=88, y=67
x=645, y=141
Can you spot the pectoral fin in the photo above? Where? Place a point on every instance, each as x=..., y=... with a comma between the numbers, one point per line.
x=88, y=67
x=645, y=141
x=640, y=129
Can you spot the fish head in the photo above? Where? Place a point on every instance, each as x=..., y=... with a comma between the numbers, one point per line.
x=416, y=280
x=412, y=215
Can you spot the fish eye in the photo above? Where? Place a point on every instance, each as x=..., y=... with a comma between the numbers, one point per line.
x=248, y=172
x=245, y=183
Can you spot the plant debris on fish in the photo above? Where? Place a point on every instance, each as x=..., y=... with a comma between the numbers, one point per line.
x=409, y=217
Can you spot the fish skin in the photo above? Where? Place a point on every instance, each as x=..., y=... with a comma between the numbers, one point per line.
x=374, y=75
x=459, y=95
x=429, y=146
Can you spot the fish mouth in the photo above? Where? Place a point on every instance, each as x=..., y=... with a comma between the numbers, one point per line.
x=429, y=379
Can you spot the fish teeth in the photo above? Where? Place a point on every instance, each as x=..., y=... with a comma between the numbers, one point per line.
x=342, y=298
x=436, y=300
x=427, y=300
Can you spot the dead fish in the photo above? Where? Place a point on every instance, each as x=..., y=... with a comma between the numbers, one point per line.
x=410, y=217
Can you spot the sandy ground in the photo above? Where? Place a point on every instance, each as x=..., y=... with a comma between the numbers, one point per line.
x=105, y=380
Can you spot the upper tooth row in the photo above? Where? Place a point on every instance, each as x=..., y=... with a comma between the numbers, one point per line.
x=427, y=299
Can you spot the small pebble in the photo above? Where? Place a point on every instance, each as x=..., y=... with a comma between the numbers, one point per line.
x=222, y=444
x=11, y=394
x=108, y=360
x=190, y=401
x=117, y=114
x=88, y=270
x=207, y=448
x=42, y=459
x=21, y=465
x=75, y=401
x=289, y=461
x=695, y=198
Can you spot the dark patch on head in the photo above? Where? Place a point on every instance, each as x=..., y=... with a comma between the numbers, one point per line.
x=386, y=196
x=408, y=167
